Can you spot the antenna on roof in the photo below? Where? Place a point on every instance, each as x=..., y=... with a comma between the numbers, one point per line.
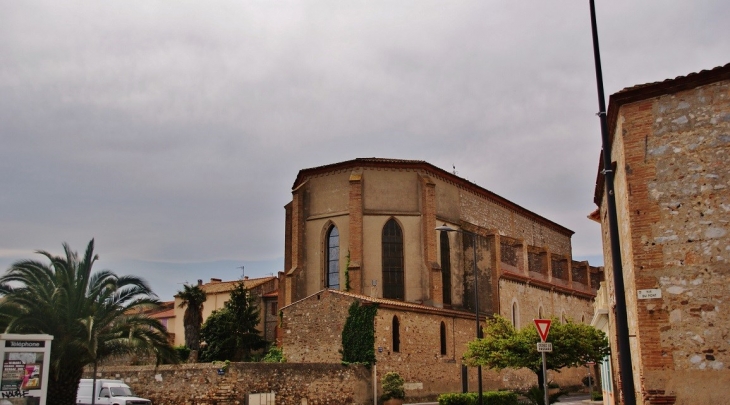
x=243, y=273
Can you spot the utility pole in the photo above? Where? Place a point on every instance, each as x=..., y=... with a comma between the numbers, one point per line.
x=622, y=325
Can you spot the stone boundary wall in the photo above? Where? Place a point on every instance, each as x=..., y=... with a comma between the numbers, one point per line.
x=200, y=384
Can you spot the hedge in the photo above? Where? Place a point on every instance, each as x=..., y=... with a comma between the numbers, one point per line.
x=490, y=398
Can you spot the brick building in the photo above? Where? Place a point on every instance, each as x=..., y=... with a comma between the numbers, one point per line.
x=671, y=147
x=365, y=229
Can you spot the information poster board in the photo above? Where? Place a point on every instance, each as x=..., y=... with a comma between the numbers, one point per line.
x=24, y=378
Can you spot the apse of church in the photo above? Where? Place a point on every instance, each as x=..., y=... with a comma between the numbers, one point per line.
x=368, y=226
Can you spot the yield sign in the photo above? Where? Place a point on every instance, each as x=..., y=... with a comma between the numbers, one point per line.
x=543, y=328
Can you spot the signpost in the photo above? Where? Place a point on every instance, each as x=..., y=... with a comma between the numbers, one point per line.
x=543, y=328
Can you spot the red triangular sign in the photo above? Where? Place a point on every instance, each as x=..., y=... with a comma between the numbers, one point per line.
x=543, y=328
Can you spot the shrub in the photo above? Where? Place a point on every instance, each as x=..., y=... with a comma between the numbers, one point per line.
x=393, y=386
x=275, y=355
x=471, y=398
x=183, y=352
x=596, y=396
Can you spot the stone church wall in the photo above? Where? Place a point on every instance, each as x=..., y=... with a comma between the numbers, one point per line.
x=530, y=299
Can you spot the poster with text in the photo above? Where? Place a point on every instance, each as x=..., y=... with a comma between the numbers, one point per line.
x=21, y=372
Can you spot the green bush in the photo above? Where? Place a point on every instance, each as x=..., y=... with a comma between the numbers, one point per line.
x=596, y=396
x=274, y=355
x=393, y=386
x=471, y=398
x=183, y=352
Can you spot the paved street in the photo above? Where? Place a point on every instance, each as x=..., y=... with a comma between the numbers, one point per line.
x=574, y=398
x=565, y=399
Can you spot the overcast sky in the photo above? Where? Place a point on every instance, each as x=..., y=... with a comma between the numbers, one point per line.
x=172, y=131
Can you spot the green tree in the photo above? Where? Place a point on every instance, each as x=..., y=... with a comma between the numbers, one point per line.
x=90, y=316
x=574, y=344
x=230, y=333
x=192, y=299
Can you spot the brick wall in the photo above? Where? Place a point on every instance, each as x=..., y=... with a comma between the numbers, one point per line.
x=672, y=179
x=200, y=384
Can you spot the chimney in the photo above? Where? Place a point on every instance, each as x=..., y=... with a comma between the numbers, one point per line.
x=200, y=283
x=215, y=280
x=245, y=277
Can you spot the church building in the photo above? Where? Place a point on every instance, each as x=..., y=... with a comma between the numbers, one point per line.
x=366, y=230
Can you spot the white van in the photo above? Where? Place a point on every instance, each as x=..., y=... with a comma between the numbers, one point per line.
x=108, y=392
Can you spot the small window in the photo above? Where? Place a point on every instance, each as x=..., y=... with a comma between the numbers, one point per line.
x=273, y=307
x=563, y=319
x=515, y=315
x=540, y=313
x=396, y=335
x=443, y=339
x=104, y=393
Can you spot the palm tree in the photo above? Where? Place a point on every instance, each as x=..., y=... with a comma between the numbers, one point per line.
x=91, y=316
x=192, y=298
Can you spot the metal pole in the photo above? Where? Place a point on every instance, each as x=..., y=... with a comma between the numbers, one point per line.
x=544, y=379
x=476, y=310
x=622, y=325
x=375, y=384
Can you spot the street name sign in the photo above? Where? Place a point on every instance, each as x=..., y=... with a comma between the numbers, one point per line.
x=544, y=347
x=649, y=294
x=543, y=328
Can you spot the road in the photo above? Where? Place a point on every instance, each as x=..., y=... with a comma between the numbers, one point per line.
x=565, y=399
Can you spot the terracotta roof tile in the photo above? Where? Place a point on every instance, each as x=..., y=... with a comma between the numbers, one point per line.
x=226, y=286
x=170, y=313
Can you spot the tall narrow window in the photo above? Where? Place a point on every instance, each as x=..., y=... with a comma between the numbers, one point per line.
x=443, y=339
x=396, y=335
x=393, y=285
x=333, y=258
x=446, y=267
x=515, y=315
x=539, y=313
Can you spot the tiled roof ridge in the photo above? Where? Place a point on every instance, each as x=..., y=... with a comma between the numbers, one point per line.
x=248, y=283
x=665, y=82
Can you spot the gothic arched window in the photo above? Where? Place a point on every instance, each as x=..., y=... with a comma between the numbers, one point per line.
x=332, y=250
x=396, y=335
x=446, y=267
x=393, y=278
x=443, y=339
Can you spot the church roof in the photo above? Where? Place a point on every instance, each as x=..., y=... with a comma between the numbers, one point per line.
x=433, y=171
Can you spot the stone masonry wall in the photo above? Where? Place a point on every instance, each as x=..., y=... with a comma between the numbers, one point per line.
x=200, y=384
x=316, y=337
x=312, y=329
x=672, y=182
x=530, y=299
